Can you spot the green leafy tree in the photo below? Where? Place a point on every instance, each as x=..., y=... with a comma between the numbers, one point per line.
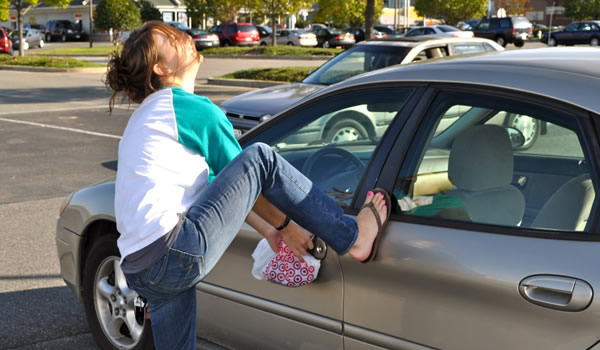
x=451, y=11
x=22, y=7
x=196, y=10
x=225, y=10
x=117, y=15
x=514, y=7
x=582, y=9
x=346, y=13
x=149, y=12
x=275, y=8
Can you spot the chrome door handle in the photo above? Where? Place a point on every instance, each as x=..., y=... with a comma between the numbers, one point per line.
x=557, y=292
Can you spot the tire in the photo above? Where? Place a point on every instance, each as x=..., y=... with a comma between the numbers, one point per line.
x=552, y=41
x=63, y=37
x=105, y=307
x=500, y=41
x=48, y=37
x=594, y=42
x=41, y=44
x=346, y=130
x=290, y=44
x=262, y=43
x=11, y=52
x=529, y=127
x=519, y=42
x=226, y=43
x=326, y=44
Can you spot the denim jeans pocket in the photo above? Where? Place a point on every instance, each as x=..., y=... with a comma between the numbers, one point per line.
x=176, y=271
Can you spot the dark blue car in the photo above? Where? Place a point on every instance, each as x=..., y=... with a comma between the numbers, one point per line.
x=584, y=32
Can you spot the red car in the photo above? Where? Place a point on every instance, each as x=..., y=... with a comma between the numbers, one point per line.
x=237, y=34
x=5, y=42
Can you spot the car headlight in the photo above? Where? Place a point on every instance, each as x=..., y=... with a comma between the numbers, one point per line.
x=64, y=204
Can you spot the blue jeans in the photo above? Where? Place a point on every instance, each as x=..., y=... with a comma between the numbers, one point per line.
x=212, y=223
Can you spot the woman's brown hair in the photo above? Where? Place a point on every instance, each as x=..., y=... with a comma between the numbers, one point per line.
x=130, y=72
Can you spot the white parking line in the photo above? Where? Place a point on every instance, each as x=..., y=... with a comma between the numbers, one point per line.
x=65, y=109
x=60, y=128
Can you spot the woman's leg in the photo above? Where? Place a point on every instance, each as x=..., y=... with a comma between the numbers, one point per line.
x=223, y=206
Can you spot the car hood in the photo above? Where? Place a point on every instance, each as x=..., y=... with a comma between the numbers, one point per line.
x=271, y=100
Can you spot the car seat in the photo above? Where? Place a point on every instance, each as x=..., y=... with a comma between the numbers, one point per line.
x=569, y=207
x=481, y=169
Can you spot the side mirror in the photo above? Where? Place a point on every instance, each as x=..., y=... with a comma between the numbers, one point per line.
x=517, y=139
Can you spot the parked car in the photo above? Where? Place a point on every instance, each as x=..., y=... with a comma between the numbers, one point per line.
x=40, y=27
x=5, y=42
x=64, y=30
x=203, y=39
x=584, y=32
x=178, y=25
x=384, y=29
x=237, y=34
x=440, y=30
x=331, y=37
x=499, y=249
x=296, y=37
x=250, y=108
x=31, y=38
x=359, y=34
x=505, y=30
x=264, y=34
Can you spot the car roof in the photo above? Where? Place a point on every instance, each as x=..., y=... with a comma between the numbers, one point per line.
x=413, y=41
x=564, y=74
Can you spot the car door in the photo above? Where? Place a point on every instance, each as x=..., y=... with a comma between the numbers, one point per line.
x=457, y=266
x=484, y=30
x=569, y=35
x=243, y=310
x=584, y=32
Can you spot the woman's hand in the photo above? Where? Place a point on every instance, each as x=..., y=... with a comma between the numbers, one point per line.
x=297, y=239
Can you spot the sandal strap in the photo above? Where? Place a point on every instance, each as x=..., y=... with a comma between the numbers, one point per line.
x=371, y=206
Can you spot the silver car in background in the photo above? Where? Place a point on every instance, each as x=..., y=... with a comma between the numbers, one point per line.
x=489, y=246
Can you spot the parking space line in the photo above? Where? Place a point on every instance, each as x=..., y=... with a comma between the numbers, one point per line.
x=60, y=128
x=66, y=109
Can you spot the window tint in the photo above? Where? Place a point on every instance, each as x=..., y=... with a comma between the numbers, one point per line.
x=332, y=141
x=505, y=23
x=245, y=28
x=447, y=29
x=572, y=27
x=491, y=160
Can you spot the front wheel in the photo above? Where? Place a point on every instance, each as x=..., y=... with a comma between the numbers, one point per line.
x=519, y=42
x=529, y=127
x=501, y=41
x=346, y=130
x=113, y=318
x=594, y=42
x=41, y=44
x=326, y=44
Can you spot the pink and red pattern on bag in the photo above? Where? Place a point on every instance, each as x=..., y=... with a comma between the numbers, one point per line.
x=285, y=268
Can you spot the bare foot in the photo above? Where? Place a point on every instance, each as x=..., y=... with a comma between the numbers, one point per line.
x=367, y=226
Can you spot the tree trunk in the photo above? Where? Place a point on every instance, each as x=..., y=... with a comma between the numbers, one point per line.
x=20, y=29
x=273, y=30
x=369, y=19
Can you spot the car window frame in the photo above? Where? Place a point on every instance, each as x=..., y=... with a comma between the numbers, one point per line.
x=590, y=133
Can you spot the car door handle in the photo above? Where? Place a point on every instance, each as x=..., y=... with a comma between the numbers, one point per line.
x=557, y=292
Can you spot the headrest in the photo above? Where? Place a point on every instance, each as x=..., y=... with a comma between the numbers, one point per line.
x=481, y=158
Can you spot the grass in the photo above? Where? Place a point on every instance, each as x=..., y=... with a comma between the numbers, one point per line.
x=46, y=62
x=288, y=74
x=279, y=50
x=82, y=51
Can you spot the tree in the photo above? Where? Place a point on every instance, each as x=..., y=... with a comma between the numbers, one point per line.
x=149, y=12
x=196, y=10
x=22, y=7
x=225, y=10
x=514, y=7
x=451, y=11
x=117, y=14
x=582, y=9
x=275, y=8
x=346, y=13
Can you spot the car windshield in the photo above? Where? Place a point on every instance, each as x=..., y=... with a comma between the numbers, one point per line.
x=521, y=22
x=360, y=59
x=447, y=29
x=198, y=31
x=180, y=26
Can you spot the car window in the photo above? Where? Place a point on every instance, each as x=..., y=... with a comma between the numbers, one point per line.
x=585, y=27
x=415, y=32
x=466, y=48
x=505, y=23
x=429, y=31
x=360, y=59
x=484, y=25
x=447, y=29
x=572, y=27
x=432, y=52
x=245, y=28
x=332, y=141
x=499, y=161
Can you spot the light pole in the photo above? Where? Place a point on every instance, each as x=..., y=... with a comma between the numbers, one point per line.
x=89, y=2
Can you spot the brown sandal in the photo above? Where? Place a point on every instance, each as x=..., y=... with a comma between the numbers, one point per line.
x=380, y=225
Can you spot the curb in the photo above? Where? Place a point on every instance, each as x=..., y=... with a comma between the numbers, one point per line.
x=245, y=82
x=54, y=70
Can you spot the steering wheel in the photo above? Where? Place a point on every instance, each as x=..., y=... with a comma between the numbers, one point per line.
x=347, y=158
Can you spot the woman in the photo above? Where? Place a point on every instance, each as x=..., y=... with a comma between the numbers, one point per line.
x=175, y=226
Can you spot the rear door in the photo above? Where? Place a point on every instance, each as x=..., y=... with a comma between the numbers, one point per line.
x=451, y=274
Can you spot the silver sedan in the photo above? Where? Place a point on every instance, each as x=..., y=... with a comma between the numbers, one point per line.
x=489, y=246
